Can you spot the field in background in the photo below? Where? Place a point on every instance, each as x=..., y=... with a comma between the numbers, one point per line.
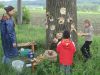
x=26, y=33
x=38, y=17
x=94, y=17
x=35, y=31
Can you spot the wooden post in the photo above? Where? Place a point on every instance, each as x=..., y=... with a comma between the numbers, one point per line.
x=19, y=11
x=60, y=16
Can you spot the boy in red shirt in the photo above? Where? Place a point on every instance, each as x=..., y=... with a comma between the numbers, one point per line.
x=66, y=50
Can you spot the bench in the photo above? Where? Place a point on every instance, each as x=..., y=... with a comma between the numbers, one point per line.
x=30, y=45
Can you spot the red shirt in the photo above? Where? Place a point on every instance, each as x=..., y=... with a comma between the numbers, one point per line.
x=66, y=50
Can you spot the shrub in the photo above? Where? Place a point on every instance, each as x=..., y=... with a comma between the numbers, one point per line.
x=1, y=5
x=25, y=15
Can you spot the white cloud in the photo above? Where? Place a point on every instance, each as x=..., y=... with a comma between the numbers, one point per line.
x=22, y=0
x=5, y=0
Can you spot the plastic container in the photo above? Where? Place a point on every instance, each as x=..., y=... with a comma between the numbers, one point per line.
x=30, y=55
x=18, y=65
x=28, y=65
x=24, y=52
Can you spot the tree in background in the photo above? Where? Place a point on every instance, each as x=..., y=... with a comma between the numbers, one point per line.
x=25, y=15
x=1, y=5
x=61, y=14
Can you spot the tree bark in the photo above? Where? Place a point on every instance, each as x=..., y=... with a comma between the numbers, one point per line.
x=57, y=21
x=19, y=11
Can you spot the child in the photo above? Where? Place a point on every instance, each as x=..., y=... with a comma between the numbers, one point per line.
x=8, y=35
x=56, y=41
x=88, y=34
x=66, y=50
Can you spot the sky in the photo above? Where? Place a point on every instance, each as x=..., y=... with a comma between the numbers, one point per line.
x=5, y=0
x=11, y=0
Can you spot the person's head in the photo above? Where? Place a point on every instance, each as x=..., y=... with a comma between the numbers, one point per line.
x=66, y=34
x=10, y=10
x=59, y=35
x=87, y=23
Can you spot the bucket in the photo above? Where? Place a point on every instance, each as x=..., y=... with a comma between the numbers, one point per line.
x=18, y=65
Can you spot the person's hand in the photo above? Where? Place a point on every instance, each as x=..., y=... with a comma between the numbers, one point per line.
x=59, y=35
x=73, y=28
x=79, y=34
x=14, y=45
x=55, y=40
x=82, y=34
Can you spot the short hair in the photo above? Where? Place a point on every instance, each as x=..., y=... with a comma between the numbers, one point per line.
x=66, y=34
x=9, y=8
x=87, y=21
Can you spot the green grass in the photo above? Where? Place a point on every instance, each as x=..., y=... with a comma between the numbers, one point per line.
x=86, y=12
x=26, y=33
x=42, y=11
x=93, y=16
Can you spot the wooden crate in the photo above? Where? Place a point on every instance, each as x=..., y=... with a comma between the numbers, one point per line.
x=30, y=45
x=37, y=60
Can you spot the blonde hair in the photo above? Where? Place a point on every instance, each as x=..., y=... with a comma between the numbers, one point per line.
x=87, y=21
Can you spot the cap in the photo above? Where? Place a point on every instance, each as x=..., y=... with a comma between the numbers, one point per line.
x=9, y=8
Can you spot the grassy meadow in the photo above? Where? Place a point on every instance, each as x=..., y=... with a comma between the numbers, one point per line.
x=27, y=33
x=36, y=32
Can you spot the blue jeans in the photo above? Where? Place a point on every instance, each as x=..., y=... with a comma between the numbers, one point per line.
x=65, y=70
x=6, y=60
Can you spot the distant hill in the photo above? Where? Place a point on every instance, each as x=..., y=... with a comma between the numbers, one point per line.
x=43, y=2
x=89, y=1
x=81, y=4
x=88, y=5
x=14, y=3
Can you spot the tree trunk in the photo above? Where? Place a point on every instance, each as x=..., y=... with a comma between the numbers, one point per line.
x=19, y=11
x=60, y=15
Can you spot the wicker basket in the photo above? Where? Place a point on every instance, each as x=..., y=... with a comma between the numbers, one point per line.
x=51, y=55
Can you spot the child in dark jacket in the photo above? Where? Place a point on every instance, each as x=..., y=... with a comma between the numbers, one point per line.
x=66, y=50
x=8, y=35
